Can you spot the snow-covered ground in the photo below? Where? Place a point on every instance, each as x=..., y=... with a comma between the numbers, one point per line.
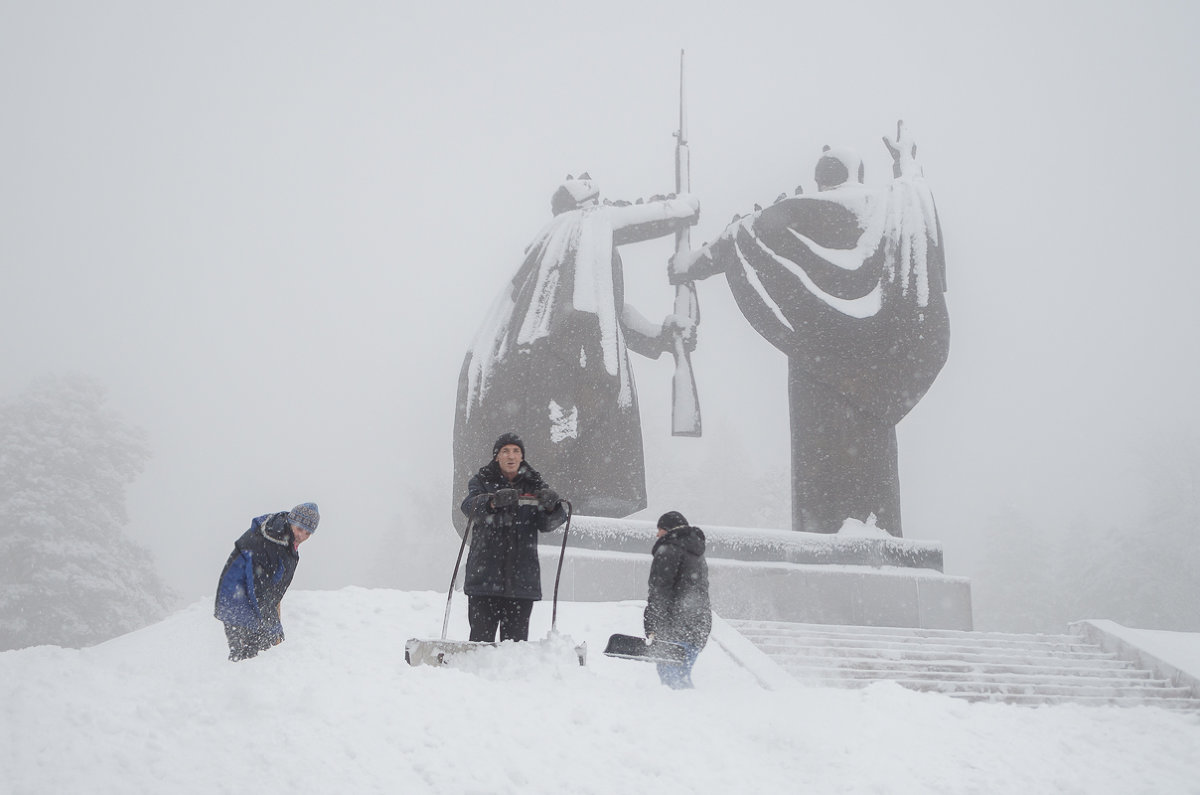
x=336, y=710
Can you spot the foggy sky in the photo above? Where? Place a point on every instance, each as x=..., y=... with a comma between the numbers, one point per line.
x=271, y=230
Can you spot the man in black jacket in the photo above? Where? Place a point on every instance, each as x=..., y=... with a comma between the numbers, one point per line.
x=257, y=575
x=507, y=505
x=677, y=608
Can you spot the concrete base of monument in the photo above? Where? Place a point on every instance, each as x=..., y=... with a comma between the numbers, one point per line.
x=863, y=577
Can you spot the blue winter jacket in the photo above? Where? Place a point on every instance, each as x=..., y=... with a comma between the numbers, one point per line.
x=257, y=575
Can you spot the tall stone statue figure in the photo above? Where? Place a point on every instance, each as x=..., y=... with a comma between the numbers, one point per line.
x=850, y=285
x=550, y=360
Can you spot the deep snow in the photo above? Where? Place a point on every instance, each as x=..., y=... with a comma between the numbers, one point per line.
x=336, y=710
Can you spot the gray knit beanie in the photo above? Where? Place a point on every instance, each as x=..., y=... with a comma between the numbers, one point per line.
x=305, y=516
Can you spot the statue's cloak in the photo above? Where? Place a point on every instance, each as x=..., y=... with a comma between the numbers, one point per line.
x=850, y=284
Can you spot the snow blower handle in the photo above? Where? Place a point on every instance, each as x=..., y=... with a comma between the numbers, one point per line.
x=558, y=576
x=524, y=499
x=507, y=498
x=454, y=576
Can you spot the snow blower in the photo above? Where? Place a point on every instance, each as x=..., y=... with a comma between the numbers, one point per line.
x=440, y=652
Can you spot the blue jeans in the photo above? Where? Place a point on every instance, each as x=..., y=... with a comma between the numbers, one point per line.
x=678, y=676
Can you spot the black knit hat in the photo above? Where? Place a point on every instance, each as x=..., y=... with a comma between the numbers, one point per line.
x=505, y=439
x=671, y=520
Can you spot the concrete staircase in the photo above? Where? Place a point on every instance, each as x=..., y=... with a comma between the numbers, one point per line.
x=1024, y=669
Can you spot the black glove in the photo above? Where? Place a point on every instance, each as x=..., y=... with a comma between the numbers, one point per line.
x=548, y=499
x=504, y=498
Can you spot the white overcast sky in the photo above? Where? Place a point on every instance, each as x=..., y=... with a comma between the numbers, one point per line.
x=271, y=228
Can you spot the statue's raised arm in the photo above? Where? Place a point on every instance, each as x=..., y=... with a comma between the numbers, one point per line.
x=904, y=152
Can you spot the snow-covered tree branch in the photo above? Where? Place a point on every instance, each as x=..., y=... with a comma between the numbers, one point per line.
x=69, y=576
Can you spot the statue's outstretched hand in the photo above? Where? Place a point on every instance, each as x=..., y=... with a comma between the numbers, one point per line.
x=679, y=324
x=904, y=152
x=692, y=201
x=680, y=265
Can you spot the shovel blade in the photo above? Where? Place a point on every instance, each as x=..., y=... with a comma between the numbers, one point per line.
x=440, y=652
x=437, y=652
x=631, y=647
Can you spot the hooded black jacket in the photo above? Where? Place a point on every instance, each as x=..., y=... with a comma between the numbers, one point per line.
x=503, y=560
x=677, y=608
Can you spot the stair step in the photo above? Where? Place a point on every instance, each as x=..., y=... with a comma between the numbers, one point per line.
x=801, y=670
x=1185, y=704
x=861, y=641
x=1008, y=689
x=892, y=667
x=938, y=654
x=892, y=670
x=746, y=625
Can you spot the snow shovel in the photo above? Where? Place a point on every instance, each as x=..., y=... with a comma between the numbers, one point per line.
x=439, y=652
x=631, y=647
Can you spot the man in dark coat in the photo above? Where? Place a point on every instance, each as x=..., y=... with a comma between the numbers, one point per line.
x=257, y=575
x=507, y=504
x=677, y=608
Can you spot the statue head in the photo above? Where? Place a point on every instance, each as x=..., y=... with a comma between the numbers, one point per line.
x=836, y=167
x=573, y=193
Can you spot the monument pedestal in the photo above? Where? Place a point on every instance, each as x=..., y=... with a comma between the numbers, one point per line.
x=863, y=578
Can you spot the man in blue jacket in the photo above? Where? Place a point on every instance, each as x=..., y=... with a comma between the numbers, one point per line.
x=256, y=577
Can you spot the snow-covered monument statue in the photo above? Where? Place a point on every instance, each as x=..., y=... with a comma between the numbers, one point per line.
x=849, y=284
x=551, y=361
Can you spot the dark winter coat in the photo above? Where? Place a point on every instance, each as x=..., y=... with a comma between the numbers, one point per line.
x=677, y=607
x=257, y=575
x=503, y=560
